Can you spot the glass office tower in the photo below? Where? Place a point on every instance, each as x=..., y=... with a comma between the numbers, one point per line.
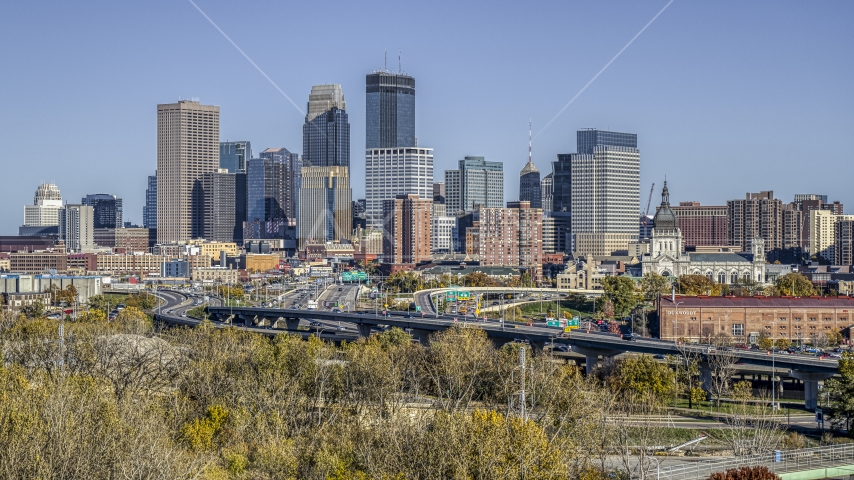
x=107, y=210
x=326, y=131
x=233, y=156
x=390, y=110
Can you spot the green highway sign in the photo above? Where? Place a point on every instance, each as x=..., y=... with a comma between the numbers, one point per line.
x=553, y=323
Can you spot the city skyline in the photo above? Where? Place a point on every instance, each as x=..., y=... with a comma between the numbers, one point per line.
x=792, y=103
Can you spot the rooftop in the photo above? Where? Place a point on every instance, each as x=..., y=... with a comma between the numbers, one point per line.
x=757, y=302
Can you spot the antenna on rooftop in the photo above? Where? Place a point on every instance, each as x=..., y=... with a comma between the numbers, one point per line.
x=385, y=59
x=530, y=155
x=398, y=61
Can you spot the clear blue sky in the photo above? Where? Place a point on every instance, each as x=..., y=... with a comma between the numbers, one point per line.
x=726, y=97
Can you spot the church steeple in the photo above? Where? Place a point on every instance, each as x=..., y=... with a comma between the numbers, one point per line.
x=665, y=195
x=664, y=217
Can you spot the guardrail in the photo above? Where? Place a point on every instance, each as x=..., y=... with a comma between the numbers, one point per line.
x=778, y=462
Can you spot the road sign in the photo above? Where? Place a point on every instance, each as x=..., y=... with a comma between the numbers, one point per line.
x=450, y=296
x=568, y=329
x=572, y=322
x=461, y=295
x=417, y=308
x=553, y=323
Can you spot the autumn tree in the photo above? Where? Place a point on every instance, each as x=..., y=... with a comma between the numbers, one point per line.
x=696, y=285
x=623, y=294
x=795, y=284
x=746, y=473
x=643, y=376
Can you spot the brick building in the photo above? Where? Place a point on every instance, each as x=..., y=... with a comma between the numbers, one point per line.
x=701, y=224
x=406, y=229
x=38, y=262
x=512, y=237
x=746, y=319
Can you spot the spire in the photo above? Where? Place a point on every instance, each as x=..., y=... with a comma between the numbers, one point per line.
x=665, y=195
x=530, y=140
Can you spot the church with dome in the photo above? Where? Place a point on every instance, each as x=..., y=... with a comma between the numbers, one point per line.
x=666, y=257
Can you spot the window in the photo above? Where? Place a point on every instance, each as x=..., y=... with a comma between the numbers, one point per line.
x=828, y=319
x=797, y=319
x=737, y=329
x=782, y=319
x=693, y=319
x=782, y=327
x=813, y=319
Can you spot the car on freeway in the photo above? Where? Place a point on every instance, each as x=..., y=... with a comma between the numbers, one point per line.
x=660, y=356
x=560, y=347
x=340, y=328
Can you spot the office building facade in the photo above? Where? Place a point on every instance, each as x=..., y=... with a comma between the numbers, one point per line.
x=406, y=230
x=76, y=227
x=290, y=171
x=390, y=172
x=701, y=224
x=326, y=131
x=325, y=206
x=441, y=234
x=44, y=211
x=107, y=209
x=266, y=199
x=149, y=210
x=233, y=156
x=843, y=242
x=477, y=182
x=530, y=186
x=389, y=110
x=187, y=148
x=546, y=186
x=221, y=222
x=604, y=181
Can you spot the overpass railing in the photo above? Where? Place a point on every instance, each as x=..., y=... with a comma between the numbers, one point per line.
x=778, y=462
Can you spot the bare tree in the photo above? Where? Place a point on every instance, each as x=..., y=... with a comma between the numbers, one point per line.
x=723, y=366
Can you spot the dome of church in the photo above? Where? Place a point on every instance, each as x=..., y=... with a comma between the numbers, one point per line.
x=665, y=217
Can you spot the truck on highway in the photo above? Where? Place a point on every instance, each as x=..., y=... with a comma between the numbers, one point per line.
x=312, y=305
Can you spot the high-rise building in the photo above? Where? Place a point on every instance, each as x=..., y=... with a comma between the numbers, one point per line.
x=108, y=209
x=438, y=189
x=758, y=215
x=546, y=186
x=149, y=211
x=822, y=239
x=389, y=110
x=220, y=206
x=326, y=132
x=406, y=230
x=843, y=242
x=266, y=199
x=325, y=199
x=233, y=156
x=76, y=225
x=325, y=206
x=390, y=172
x=701, y=224
x=605, y=191
x=530, y=187
x=44, y=211
x=291, y=170
x=477, y=182
x=512, y=237
x=187, y=148
x=561, y=202
x=441, y=235
x=800, y=197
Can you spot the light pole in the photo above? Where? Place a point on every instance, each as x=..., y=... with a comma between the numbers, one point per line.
x=773, y=369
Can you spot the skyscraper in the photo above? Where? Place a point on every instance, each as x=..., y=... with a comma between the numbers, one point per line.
x=107, y=209
x=325, y=206
x=390, y=172
x=233, y=156
x=546, y=186
x=530, y=188
x=44, y=211
x=477, y=182
x=561, y=202
x=512, y=237
x=390, y=110
x=266, y=200
x=291, y=169
x=757, y=215
x=605, y=192
x=325, y=199
x=187, y=148
x=149, y=211
x=220, y=206
x=76, y=227
x=326, y=132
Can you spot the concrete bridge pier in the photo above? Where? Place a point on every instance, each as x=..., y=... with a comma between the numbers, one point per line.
x=810, y=380
x=423, y=336
x=364, y=330
x=591, y=356
x=706, y=377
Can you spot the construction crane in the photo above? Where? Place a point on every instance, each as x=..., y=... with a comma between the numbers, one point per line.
x=648, y=203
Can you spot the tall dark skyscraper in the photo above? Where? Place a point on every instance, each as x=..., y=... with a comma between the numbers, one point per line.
x=233, y=156
x=530, y=188
x=220, y=205
x=390, y=110
x=149, y=211
x=325, y=199
x=326, y=131
x=107, y=210
x=291, y=172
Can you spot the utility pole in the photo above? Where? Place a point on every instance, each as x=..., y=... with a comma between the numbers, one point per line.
x=522, y=376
